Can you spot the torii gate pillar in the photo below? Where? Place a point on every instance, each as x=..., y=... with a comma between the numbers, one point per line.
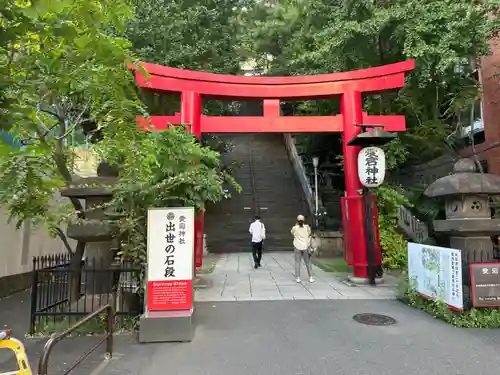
x=352, y=114
x=191, y=114
x=353, y=213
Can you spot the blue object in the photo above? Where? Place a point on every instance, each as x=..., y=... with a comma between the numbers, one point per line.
x=9, y=139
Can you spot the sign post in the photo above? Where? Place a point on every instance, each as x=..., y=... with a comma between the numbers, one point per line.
x=485, y=284
x=169, y=302
x=371, y=171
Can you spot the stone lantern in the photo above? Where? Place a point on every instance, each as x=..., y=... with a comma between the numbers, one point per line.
x=95, y=230
x=468, y=222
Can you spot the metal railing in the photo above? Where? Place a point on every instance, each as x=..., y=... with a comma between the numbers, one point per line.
x=56, y=304
x=43, y=364
x=300, y=171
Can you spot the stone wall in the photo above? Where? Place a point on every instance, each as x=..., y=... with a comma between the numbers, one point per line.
x=332, y=244
x=424, y=174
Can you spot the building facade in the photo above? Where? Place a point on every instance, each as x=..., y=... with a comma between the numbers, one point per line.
x=485, y=127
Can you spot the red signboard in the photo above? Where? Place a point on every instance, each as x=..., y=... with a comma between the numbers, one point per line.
x=170, y=295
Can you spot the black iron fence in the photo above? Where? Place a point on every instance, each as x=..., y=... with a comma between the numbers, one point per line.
x=62, y=294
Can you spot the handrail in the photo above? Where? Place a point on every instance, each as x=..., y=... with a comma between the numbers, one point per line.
x=300, y=172
x=44, y=360
x=256, y=205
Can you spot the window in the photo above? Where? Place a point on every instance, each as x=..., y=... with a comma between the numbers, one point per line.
x=471, y=119
x=471, y=129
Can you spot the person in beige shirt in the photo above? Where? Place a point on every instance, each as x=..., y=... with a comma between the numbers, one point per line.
x=302, y=237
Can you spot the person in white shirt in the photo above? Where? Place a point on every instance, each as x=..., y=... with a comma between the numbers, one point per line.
x=302, y=244
x=258, y=232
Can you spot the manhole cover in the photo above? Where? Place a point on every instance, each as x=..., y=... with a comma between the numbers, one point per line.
x=374, y=319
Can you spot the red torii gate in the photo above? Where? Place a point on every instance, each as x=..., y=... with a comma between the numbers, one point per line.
x=348, y=85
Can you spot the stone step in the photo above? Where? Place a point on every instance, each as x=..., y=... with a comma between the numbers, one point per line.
x=269, y=183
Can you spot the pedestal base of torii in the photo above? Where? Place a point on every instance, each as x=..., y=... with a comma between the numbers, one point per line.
x=364, y=280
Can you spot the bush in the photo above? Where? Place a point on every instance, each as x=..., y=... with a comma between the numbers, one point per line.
x=474, y=318
x=393, y=243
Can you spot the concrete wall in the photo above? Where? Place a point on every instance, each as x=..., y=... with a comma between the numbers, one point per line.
x=18, y=247
x=17, y=251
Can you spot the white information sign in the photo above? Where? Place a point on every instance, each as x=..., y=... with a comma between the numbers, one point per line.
x=436, y=272
x=170, y=258
x=371, y=166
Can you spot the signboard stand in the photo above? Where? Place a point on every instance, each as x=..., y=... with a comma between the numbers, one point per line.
x=169, y=292
x=436, y=273
x=485, y=284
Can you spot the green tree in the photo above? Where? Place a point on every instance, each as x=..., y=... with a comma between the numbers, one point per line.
x=168, y=168
x=67, y=71
x=444, y=36
x=192, y=35
x=187, y=34
x=64, y=72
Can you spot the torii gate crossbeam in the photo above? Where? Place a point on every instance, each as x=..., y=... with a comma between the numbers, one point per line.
x=350, y=86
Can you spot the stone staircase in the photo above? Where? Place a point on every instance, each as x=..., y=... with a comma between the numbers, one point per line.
x=270, y=189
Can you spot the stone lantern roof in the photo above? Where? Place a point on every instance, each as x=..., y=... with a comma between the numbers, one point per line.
x=465, y=180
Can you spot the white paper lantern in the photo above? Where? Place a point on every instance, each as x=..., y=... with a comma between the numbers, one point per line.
x=371, y=166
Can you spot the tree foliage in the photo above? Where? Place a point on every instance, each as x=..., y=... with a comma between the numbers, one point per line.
x=161, y=169
x=65, y=70
x=196, y=35
x=444, y=36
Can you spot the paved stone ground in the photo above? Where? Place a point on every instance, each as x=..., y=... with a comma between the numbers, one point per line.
x=317, y=337
x=235, y=279
x=286, y=337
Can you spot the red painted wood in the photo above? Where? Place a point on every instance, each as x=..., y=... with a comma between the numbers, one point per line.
x=272, y=108
x=379, y=71
x=255, y=124
x=351, y=106
x=191, y=111
x=268, y=91
x=355, y=244
x=191, y=114
x=283, y=124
